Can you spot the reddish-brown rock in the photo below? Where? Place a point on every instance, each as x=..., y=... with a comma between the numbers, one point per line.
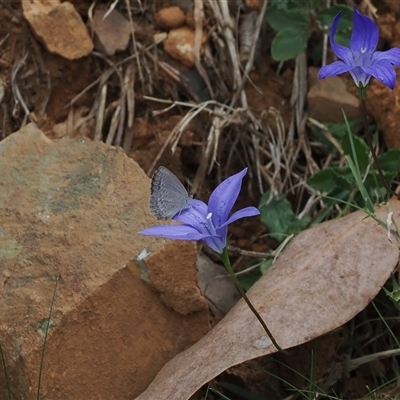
x=327, y=98
x=59, y=27
x=170, y=18
x=252, y=4
x=383, y=104
x=72, y=209
x=180, y=45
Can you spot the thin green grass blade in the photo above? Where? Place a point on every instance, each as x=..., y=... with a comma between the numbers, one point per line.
x=313, y=383
x=219, y=394
x=355, y=169
x=361, y=187
x=241, y=393
x=206, y=395
x=302, y=392
x=386, y=325
x=3, y=361
x=38, y=397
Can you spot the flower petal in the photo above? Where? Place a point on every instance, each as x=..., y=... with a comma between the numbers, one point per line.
x=244, y=212
x=392, y=55
x=224, y=197
x=360, y=77
x=336, y=68
x=177, y=232
x=216, y=243
x=341, y=52
x=384, y=72
x=365, y=35
x=196, y=216
x=197, y=207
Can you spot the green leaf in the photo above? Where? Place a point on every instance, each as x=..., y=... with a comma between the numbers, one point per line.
x=280, y=4
x=374, y=186
x=390, y=165
x=394, y=295
x=248, y=279
x=327, y=15
x=280, y=20
x=361, y=151
x=338, y=131
x=315, y=4
x=277, y=215
x=289, y=43
x=390, y=161
x=265, y=266
x=343, y=33
x=332, y=178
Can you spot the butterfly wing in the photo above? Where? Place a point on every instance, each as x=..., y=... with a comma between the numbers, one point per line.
x=168, y=196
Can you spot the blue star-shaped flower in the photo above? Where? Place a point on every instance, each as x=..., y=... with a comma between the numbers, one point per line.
x=208, y=222
x=361, y=59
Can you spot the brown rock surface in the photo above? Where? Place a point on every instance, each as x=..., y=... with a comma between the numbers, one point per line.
x=72, y=208
x=393, y=6
x=328, y=97
x=59, y=26
x=170, y=18
x=252, y=4
x=383, y=104
x=112, y=33
x=180, y=45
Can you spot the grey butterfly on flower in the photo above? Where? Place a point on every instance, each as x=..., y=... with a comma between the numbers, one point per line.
x=168, y=196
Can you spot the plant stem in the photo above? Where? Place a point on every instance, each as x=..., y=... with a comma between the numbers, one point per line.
x=362, y=95
x=225, y=259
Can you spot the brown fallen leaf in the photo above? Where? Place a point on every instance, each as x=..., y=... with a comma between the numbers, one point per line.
x=326, y=276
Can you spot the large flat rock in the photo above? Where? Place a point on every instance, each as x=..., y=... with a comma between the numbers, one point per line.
x=72, y=209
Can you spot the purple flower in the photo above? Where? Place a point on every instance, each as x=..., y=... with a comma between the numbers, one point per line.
x=208, y=222
x=361, y=59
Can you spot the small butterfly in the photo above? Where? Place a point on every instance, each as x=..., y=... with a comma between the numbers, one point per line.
x=168, y=196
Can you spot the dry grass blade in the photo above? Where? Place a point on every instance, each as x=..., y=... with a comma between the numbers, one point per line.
x=178, y=130
x=198, y=19
x=219, y=112
x=226, y=25
x=213, y=139
x=110, y=9
x=17, y=94
x=100, y=114
x=129, y=84
x=260, y=19
x=135, y=46
x=113, y=125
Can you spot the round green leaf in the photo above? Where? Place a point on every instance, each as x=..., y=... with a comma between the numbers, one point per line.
x=289, y=43
x=281, y=19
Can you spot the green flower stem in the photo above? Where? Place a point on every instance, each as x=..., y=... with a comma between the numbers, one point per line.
x=362, y=92
x=225, y=259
